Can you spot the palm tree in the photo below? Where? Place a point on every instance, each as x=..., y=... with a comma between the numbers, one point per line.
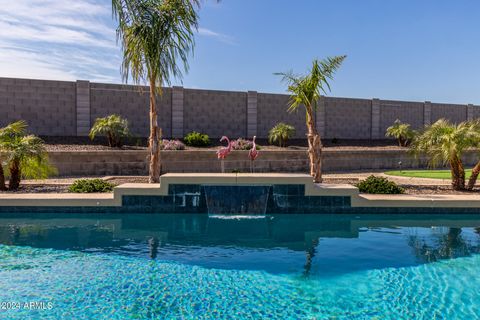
x=400, y=131
x=113, y=127
x=25, y=155
x=3, y=187
x=156, y=36
x=445, y=143
x=280, y=134
x=7, y=135
x=306, y=90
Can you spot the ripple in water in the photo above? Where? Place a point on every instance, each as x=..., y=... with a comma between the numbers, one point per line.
x=82, y=285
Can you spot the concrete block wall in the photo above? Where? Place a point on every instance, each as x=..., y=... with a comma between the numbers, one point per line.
x=408, y=112
x=348, y=118
x=62, y=108
x=272, y=108
x=475, y=111
x=132, y=103
x=47, y=106
x=453, y=112
x=215, y=113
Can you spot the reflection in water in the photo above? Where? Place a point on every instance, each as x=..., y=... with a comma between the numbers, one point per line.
x=344, y=242
x=153, y=244
x=444, y=244
x=310, y=255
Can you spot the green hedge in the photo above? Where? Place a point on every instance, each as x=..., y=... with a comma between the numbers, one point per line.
x=379, y=185
x=196, y=139
x=91, y=186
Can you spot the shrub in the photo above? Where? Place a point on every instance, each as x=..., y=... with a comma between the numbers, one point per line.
x=280, y=134
x=402, y=132
x=114, y=127
x=172, y=145
x=91, y=186
x=243, y=144
x=196, y=139
x=379, y=185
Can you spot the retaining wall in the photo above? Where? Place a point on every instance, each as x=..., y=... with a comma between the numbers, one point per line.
x=88, y=163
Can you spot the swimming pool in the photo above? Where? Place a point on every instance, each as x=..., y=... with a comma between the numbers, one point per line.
x=224, y=267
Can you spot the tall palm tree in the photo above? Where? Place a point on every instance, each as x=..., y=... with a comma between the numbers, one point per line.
x=157, y=37
x=445, y=143
x=306, y=90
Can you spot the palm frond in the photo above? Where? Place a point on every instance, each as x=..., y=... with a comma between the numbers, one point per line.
x=443, y=142
x=306, y=89
x=157, y=39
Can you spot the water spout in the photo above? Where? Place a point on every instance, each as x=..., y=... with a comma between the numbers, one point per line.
x=237, y=199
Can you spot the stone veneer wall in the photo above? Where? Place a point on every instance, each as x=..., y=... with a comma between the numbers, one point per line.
x=62, y=108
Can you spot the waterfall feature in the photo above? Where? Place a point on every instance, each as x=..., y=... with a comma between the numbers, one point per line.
x=237, y=199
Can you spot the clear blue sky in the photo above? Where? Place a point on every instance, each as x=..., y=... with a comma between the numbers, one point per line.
x=409, y=49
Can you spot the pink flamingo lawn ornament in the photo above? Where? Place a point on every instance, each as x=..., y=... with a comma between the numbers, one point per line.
x=223, y=152
x=253, y=153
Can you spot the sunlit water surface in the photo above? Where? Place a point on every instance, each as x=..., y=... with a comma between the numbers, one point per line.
x=200, y=267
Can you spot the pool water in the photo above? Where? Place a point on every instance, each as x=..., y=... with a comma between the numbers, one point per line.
x=224, y=267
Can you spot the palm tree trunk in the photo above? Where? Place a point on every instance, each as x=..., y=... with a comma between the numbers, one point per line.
x=458, y=174
x=2, y=179
x=474, y=176
x=15, y=175
x=111, y=142
x=154, y=139
x=314, y=148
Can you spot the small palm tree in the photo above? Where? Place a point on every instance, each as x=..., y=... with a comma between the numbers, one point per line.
x=305, y=91
x=7, y=135
x=280, y=134
x=445, y=143
x=402, y=132
x=156, y=36
x=114, y=127
x=24, y=155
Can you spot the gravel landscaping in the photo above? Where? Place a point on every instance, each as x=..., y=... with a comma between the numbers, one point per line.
x=84, y=144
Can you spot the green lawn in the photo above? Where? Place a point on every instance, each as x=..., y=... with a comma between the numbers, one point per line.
x=434, y=174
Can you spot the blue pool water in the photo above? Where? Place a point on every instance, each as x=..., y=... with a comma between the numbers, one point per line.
x=223, y=267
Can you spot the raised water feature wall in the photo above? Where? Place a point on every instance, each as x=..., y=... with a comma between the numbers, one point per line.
x=287, y=194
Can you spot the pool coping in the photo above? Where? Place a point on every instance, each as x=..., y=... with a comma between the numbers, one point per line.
x=233, y=179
